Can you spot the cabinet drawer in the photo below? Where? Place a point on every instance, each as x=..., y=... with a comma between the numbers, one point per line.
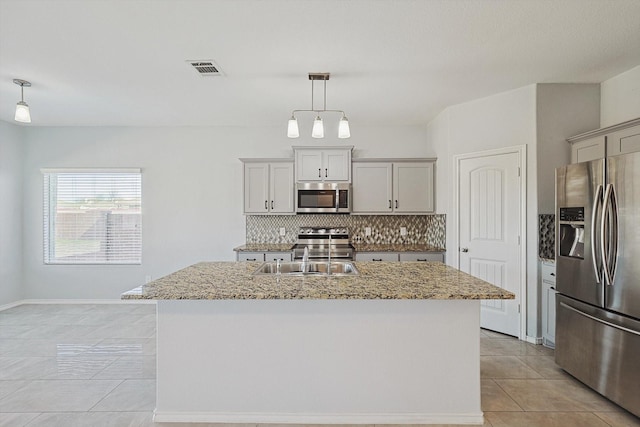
x=549, y=272
x=282, y=256
x=421, y=256
x=377, y=256
x=250, y=256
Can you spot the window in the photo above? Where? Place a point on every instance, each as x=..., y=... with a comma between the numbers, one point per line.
x=92, y=216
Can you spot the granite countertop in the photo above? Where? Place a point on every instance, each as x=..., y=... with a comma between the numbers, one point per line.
x=395, y=247
x=377, y=280
x=265, y=247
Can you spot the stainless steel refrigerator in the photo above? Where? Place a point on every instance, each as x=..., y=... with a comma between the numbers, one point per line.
x=598, y=276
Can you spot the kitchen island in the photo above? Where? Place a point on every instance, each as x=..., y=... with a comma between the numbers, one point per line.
x=397, y=344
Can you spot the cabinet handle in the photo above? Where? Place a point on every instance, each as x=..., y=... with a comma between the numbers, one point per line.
x=396, y=204
x=272, y=204
x=251, y=259
x=319, y=174
x=464, y=250
x=265, y=205
x=326, y=173
x=376, y=259
x=389, y=204
x=423, y=259
x=553, y=274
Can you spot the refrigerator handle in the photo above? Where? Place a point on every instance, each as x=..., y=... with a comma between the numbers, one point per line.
x=613, y=235
x=605, y=241
x=597, y=201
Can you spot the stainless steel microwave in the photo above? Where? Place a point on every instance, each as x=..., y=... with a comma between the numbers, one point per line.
x=323, y=197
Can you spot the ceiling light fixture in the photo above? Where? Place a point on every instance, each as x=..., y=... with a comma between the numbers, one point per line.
x=318, y=125
x=22, y=108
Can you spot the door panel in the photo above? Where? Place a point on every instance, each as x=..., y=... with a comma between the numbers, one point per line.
x=576, y=187
x=256, y=187
x=372, y=187
x=489, y=224
x=281, y=191
x=623, y=172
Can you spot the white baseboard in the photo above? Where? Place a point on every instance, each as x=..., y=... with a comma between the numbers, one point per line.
x=534, y=340
x=74, y=301
x=300, y=418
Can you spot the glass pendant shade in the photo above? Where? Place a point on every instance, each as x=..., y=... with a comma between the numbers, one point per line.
x=318, y=128
x=292, y=128
x=22, y=113
x=343, y=128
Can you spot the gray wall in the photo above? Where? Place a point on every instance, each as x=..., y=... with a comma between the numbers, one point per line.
x=11, y=145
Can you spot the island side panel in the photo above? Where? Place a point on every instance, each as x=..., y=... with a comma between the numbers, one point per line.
x=319, y=361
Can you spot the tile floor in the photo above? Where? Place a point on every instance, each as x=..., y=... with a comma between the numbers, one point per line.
x=83, y=365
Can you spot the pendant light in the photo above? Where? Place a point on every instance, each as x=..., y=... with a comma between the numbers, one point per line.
x=22, y=108
x=318, y=123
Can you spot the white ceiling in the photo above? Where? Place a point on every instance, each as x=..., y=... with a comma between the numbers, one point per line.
x=392, y=62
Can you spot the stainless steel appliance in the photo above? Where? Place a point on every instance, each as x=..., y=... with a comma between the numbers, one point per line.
x=323, y=197
x=598, y=276
x=322, y=241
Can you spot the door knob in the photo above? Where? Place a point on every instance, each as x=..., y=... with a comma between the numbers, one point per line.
x=464, y=249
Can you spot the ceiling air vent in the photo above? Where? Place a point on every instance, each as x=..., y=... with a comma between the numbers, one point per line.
x=205, y=67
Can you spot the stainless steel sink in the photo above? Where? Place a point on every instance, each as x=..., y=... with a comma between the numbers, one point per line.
x=295, y=268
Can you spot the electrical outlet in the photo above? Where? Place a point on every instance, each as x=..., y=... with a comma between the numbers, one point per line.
x=283, y=231
x=403, y=231
x=147, y=278
x=367, y=231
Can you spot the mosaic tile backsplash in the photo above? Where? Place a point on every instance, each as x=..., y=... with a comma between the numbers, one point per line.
x=385, y=229
x=547, y=236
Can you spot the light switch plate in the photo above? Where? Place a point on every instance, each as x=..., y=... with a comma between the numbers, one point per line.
x=403, y=231
x=283, y=231
x=367, y=231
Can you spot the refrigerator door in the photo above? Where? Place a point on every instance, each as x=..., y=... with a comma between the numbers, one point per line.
x=600, y=349
x=579, y=195
x=622, y=246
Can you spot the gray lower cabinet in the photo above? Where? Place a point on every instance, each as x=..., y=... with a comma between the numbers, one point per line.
x=376, y=256
x=548, y=304
x=399, y=256
x=421, y=256
x=264, y=256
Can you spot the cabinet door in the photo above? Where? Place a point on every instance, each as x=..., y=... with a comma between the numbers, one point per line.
x=250, y=256
x=282, y=256
x=377, y=256
x=421, y=256
x=548, y=314
x=413, y=187
x=372, y=189
x=587, y=150
x=256, y=187
x=309, y=165
x=624, y=141
x=281, y=188
x=336, y=165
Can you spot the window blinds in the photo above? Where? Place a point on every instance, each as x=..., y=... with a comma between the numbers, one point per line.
x=92, y=216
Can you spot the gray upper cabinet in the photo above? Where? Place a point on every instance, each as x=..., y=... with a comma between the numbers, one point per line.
x=393, y=186
x=268, y=186
x=624, y=141
x=589, y=149
x=622, y=138
x=316, y=164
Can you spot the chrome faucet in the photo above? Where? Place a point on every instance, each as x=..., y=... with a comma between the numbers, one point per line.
x=305, y=260
x=278, y=266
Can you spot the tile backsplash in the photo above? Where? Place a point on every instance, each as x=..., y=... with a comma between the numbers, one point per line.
x=547, y=236
x=385, y=229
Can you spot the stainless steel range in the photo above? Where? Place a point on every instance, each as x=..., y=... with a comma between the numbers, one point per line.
x=321, y=240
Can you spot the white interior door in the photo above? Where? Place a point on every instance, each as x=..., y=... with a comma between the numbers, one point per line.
x=489, y=233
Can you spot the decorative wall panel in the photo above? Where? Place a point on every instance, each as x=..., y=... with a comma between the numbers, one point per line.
x=547, y=236
x=385, y=229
